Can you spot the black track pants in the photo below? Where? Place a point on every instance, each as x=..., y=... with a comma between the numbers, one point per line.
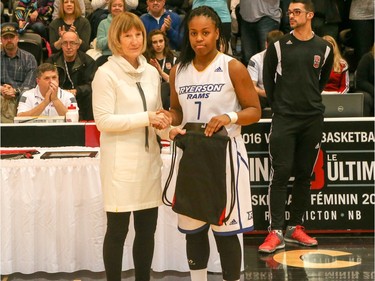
x=294, y=146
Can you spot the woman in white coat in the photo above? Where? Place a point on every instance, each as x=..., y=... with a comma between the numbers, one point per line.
x=128, y=113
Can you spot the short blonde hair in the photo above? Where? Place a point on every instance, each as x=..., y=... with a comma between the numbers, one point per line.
x=123, y=23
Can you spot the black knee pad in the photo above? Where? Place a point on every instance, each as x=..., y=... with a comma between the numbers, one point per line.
x=198, y=249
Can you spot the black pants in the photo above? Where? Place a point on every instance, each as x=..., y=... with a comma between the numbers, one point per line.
x=143, y=246
x=294, y=146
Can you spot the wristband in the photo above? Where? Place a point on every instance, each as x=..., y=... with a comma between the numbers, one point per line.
x=233, y=116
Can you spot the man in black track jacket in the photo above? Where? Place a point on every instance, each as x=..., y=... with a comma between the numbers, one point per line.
x=296, y=68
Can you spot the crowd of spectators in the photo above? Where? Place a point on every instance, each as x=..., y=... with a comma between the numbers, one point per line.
x=347, y=25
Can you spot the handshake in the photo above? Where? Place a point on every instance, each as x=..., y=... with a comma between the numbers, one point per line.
x=160, y=119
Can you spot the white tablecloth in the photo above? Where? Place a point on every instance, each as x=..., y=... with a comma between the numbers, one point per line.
x=52, y=220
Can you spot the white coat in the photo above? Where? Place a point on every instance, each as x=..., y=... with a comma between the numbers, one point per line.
x=130, y=175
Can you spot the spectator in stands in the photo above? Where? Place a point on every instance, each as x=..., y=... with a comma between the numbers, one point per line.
x=115, y=7
x=365, y=81
x=160, y=18
x=101, y=11
x=76, y=71
x=162, y=58
x=255, y=67
x=56, y=8
x=362, y=26
x=180, y=7
x=339, y=78
x=34, y=14
x=70, y=18
x=17, y=71
x=47, y=98
x=258, y=17
x=159, y=54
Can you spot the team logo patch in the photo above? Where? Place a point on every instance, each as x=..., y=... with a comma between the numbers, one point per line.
x=168, y=65
x=316, y=61
x=218, y=69
x=251, y=63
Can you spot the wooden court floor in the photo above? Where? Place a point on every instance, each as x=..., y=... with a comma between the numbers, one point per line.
x=348, y=257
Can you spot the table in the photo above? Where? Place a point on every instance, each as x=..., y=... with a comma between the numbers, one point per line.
x=52, y=220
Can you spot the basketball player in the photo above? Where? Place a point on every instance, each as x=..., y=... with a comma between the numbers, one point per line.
x=210, y=87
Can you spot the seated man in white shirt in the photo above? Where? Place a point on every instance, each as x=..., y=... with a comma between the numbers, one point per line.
x=255, y=67
x=47, y=98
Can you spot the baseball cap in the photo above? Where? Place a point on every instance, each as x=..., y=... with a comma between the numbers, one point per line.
x=8, y=28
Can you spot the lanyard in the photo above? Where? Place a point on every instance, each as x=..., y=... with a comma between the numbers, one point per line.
x=67, y=72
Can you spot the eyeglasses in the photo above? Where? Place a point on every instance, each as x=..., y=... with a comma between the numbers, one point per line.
x=157, y=1
x=295, y=12
x=67, y=43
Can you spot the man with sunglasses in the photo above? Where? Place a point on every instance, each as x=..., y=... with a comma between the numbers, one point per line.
x=295, y=70
x=76, y=72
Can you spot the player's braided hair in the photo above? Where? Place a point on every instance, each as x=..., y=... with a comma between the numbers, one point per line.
x=187, y=53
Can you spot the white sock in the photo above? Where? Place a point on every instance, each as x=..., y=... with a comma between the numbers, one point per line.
x=198, y=275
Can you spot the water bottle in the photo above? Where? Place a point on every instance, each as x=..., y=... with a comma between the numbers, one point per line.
x=72, y=114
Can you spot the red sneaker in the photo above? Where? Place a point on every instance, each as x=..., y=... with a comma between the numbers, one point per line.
x=297, y=235
x=272, y=243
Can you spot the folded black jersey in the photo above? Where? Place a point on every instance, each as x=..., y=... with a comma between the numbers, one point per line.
x=201, y=191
